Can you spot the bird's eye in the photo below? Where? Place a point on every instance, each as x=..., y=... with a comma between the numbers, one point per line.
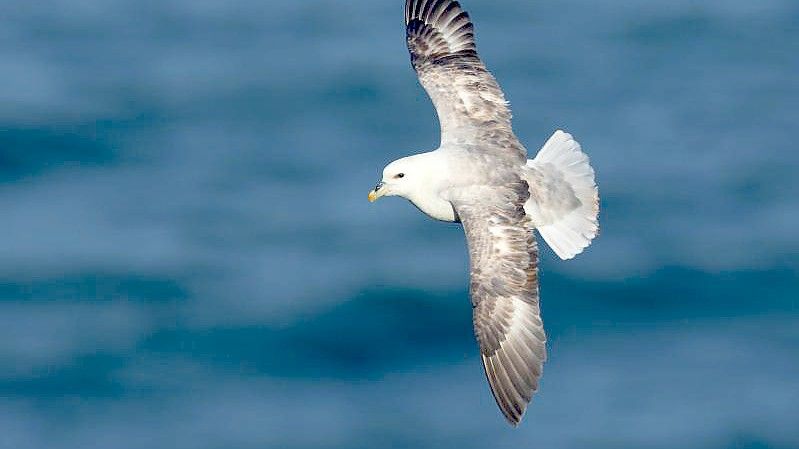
x=400, y=175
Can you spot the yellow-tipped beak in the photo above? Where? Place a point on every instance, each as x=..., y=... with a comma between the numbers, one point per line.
x=377, y=192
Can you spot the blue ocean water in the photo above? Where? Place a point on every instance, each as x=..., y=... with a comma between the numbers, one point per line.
x=188, y=259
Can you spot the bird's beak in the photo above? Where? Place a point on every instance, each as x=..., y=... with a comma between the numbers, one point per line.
x=377, y=192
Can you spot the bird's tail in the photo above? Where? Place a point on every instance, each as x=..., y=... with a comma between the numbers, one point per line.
x=564, y=199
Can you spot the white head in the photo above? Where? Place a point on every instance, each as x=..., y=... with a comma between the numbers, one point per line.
x=403, y=177
x=422, y=179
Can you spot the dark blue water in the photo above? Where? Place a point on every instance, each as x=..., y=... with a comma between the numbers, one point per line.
x=188, y=259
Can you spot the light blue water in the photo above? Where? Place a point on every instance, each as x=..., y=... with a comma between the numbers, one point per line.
x=188, y=259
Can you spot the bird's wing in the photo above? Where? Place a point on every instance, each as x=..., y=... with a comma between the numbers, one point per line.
x=470, y=105
x=504, y=291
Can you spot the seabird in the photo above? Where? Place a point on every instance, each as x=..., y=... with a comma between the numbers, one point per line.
x=480, y=176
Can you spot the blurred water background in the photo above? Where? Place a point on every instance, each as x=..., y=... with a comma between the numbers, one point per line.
x=188, y=259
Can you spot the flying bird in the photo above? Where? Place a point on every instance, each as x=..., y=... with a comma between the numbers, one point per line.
x=480, y=176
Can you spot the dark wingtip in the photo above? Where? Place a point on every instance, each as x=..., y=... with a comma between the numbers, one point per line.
x=511, y=409
x=438, y=31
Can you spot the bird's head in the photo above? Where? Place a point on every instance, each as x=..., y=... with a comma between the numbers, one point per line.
x=399, y=179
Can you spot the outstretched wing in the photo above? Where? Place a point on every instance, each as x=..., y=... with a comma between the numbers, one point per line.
x=504, y=291
x=470, y=105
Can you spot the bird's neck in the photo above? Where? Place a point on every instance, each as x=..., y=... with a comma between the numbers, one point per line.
x=434, y=179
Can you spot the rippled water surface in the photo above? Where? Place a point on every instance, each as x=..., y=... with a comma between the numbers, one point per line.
x=188, y=259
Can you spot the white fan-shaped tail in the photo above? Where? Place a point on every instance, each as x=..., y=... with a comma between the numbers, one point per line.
x=564, y=199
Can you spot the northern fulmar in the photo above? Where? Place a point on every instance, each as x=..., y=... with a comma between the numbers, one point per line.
x=480, y=176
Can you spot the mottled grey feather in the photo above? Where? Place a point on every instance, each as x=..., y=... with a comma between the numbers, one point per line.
x=504, y=290
x=470, y=105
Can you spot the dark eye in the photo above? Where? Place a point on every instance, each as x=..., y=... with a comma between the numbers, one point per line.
x=400, y=175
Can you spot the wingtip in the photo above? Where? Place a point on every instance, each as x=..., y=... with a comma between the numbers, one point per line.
x=512, y=408
x=514, y=421
x=438, y=28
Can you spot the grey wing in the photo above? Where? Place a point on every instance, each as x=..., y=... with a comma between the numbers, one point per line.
x=504, y=292
x=470, y=105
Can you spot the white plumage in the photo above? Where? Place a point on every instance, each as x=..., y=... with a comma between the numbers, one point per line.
x=480, y=176
x=568, y=226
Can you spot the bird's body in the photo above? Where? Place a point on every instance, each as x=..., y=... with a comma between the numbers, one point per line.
x=480, y=176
